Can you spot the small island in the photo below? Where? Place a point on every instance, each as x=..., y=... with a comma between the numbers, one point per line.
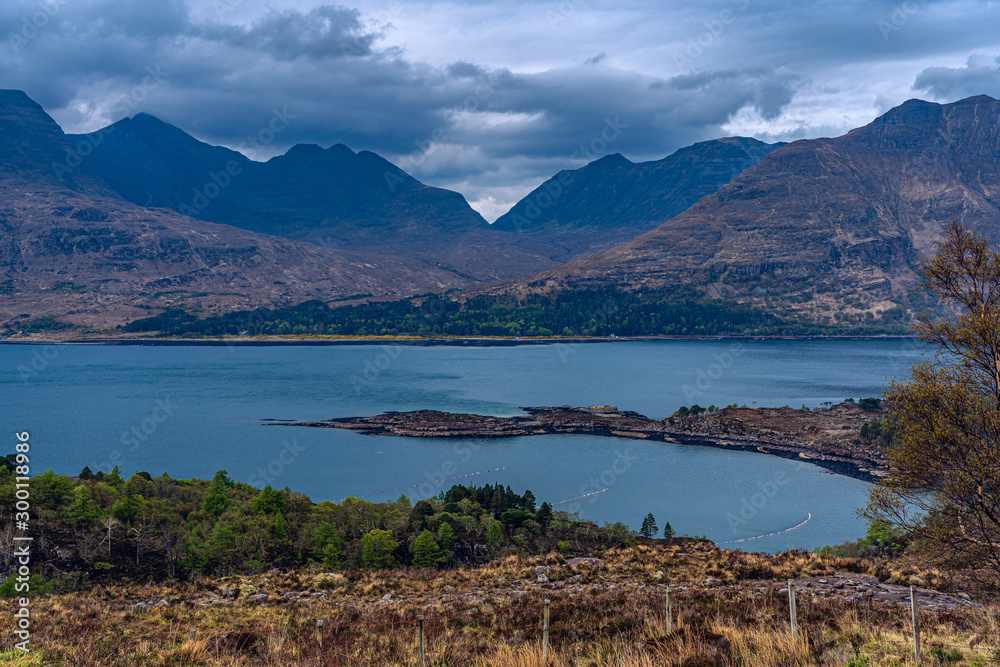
x=845, y=438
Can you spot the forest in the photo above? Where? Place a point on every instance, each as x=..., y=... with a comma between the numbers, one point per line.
x=597, y=312
x=100, y=526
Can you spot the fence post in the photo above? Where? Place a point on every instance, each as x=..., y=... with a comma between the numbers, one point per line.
x=319, y=638
x=545, y=632
x=668, y=607
x=793, y=614
x=914, y=617
x=420, y=635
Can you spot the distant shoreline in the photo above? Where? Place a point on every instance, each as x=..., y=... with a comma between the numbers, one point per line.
x=416, y=342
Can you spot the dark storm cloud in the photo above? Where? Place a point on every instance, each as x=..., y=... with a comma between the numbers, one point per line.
x=980, y=76
x=485, y=98
x=322, y=33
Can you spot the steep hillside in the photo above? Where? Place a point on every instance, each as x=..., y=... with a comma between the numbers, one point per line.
x=332, y=197
x=613, y=200
x=830, y=228
x=70, y=249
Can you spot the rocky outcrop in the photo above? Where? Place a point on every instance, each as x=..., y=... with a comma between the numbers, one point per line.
x=826, y=437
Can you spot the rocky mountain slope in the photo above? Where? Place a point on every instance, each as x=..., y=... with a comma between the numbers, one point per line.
x=70, y=248
x=613, y=200
x=830, y=228
x=332, y=197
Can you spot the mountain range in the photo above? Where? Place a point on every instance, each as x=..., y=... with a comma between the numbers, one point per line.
x=101, y=228
x=72, y=248
x=831, y=229
x=613, y=200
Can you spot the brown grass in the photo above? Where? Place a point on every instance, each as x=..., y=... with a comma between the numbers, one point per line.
x=611, y=616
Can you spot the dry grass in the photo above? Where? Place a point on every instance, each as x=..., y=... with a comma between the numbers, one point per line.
x=611, y=616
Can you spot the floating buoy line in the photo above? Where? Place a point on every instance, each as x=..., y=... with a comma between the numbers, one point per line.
x=561, y=502
x=780, y=532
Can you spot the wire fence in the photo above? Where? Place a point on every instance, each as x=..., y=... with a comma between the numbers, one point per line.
x=660, y=619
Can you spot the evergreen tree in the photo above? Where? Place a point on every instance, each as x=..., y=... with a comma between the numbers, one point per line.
x=426, y=552
x=329, y=546
x=128, y=506
x=649, y=528
x=376, y=549
x=84, y=509
x=544, y=514
x=114, y=478
x=495, y=534
x=668, y=532
x=446, y=536
x=86, y=474
x=269, y=501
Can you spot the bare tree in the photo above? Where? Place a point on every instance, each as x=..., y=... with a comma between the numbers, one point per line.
x=944, y=484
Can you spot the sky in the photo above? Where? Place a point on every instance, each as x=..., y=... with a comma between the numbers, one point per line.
x=490, y=99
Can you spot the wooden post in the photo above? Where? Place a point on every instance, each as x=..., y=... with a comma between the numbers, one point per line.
x=545, y=632
x=420, y=638
x=791, y=608
x=319, y=638
x=668, y=607
x=216, y=647
x=914, y=617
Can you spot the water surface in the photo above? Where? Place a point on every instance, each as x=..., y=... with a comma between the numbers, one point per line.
x=190, y=411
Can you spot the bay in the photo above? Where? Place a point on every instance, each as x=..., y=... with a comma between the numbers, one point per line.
x=192, y=410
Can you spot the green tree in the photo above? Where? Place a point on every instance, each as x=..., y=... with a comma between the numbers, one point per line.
x=376, y=549
x=495, y=533
x=84, y=510
x=50, y=490
x=129, y=505
x=114, y=478
x=945, y=458
x=544, y=514
x=668, y=531
x=649, y=528
x=426, y=552
x=446, y=536
x=329, y=546
x=269, y=501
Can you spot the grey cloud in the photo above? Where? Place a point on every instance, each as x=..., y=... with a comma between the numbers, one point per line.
x=324, y=32
x=980, y=76
x=516, y=95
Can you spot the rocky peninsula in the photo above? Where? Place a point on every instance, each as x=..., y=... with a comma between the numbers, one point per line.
x=830, y=437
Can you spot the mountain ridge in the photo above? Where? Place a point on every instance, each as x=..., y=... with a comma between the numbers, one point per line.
x=820, y=224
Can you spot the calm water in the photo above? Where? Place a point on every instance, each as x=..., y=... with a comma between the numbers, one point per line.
x=190, y=411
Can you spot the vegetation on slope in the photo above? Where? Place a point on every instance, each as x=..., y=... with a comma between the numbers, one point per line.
x=596, y=312
x=98, y=527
